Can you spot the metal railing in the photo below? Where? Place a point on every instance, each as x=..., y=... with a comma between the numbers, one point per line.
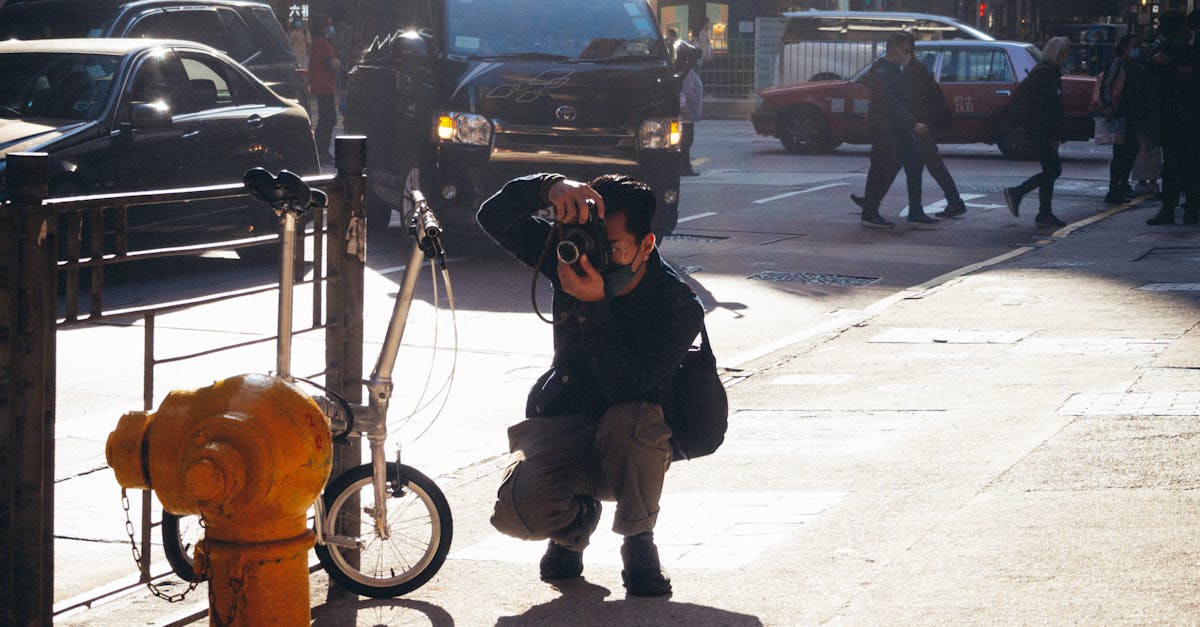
x=95, y=237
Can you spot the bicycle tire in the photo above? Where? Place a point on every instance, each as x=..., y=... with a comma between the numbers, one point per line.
x=180, y=535
x=419, y=524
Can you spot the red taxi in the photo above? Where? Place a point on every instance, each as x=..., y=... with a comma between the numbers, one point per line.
x=978, y=79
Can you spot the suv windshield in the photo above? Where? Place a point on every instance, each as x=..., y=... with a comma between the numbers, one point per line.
x=552, y=30
x=53, y=20
x=55, y=85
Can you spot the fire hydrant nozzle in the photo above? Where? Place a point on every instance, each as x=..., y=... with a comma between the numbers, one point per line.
x=249, y=454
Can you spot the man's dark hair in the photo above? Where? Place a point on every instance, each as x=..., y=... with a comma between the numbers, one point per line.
x=1123, y=44
x=899, y=37
x=1172, y=23
x=318, y=25
x=629, y=196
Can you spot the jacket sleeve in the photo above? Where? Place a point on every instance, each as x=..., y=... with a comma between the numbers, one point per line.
x=631, y=371
x=507, y=217
x=888, y=91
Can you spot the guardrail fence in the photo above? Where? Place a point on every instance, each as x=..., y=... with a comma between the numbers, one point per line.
x=45, y=243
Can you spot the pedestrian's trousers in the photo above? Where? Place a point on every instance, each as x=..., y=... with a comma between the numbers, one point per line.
x=1047, y=154
x=562, y=465
x=893, y=150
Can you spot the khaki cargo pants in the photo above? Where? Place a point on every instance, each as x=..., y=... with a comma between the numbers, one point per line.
x=562, y=465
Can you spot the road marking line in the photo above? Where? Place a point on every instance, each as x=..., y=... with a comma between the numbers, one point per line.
x=942, y=203
x=698, y=216
x=799, y=191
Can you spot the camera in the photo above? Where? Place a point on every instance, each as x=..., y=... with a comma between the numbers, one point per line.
x=589, y=238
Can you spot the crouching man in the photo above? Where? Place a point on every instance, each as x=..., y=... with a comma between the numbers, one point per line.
x=594, y=429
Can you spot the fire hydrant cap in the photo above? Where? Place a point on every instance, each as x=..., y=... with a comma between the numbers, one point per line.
x=125, y=450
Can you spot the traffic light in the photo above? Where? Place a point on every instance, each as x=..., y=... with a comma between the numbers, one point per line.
x=982, y=9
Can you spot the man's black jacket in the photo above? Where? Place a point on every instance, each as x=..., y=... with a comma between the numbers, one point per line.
x=890, y=109
x=619, y=349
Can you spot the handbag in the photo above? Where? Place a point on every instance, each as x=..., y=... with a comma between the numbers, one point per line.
x=697, y=407
x=1109, y=131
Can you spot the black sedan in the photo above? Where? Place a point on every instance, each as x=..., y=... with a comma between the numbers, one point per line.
x=121, y=115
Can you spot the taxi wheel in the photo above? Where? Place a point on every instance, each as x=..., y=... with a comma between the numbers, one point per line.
x=804, y=131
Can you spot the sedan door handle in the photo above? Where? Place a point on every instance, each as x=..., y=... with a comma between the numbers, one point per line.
x=191, y=135
x=1003, y=92
x=254, y=122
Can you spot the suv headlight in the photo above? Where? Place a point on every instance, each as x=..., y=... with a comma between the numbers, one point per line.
x=464, y=128
x=660, y=133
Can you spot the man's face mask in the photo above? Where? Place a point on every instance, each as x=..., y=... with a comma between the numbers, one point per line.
x=618, y=276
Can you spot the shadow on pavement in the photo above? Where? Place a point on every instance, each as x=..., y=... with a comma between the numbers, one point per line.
x=583, y=603
x=380, y=612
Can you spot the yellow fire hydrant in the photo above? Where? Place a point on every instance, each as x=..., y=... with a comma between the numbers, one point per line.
x=249, y=454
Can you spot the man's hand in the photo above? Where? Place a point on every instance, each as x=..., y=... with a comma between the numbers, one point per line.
x=581, y=280
x=920, y=129
x=570, y=202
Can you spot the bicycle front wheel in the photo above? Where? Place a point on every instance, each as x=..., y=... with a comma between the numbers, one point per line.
x=180, y=535
x=418, y=531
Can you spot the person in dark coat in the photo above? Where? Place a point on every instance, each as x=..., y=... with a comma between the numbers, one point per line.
x=1172, y=78
x=929, y=106
x=595, y=428
x=895, y=129
x=1040, y=112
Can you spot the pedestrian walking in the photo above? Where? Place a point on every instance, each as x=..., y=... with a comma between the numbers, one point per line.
x=298, y=38
x=1038, y=108
x=1119, y=91
x=323, y=71
x=691, y=103
x=929, y=106
x=895, y=130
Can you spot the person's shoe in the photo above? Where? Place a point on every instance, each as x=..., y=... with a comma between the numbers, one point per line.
x=1048, y=219
x=1118, y=197
x=921, y=219
x=1165, y=215
x=952, y=211
x=1013, y=200
x=643, y=574
x=876, y=222
x=559, y=562
x=860, y=201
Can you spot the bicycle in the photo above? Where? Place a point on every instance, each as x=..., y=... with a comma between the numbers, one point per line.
x=399, y=539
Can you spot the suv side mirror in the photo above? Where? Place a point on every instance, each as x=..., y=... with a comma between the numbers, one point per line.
x=150, y=115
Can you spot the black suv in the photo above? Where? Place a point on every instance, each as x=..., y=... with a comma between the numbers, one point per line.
x=247, y=31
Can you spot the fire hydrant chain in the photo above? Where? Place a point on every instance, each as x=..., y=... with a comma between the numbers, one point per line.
x=137, y=558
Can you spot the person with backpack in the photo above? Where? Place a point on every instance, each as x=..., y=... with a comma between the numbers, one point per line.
x=894, y=130
x=928, y=104
x=1038, y=108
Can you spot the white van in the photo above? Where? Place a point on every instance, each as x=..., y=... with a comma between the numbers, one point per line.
x=831, y=45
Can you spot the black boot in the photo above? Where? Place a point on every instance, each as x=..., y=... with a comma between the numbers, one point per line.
x=643, y=574
x=559, y=562
x=1165, y=215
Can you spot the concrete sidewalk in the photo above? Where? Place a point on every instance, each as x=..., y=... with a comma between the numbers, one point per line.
x=1015, y=443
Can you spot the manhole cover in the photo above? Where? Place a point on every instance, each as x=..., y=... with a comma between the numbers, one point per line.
x=698, y=239
x=1171, y=253
x=812, y=278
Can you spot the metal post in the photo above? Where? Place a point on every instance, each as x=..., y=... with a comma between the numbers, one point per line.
x=344, y=306
x=28, y=292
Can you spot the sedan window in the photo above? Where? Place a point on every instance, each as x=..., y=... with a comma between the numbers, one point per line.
x=976, y=65
x=55, y=85
x=213, y=85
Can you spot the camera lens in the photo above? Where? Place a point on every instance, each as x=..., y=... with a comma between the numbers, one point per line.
x=568, y=252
